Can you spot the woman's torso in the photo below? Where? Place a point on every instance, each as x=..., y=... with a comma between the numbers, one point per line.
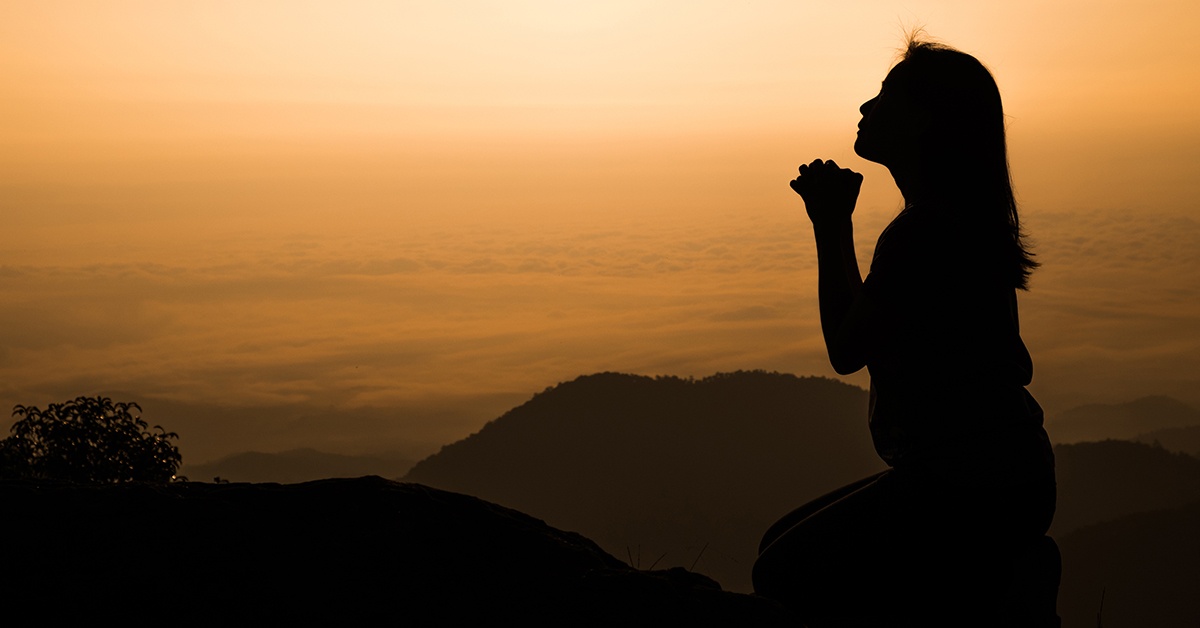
x=948, y=366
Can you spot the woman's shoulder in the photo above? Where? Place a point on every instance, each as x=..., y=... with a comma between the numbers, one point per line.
x=918, y=222
x=910, y=235
x=935, y=242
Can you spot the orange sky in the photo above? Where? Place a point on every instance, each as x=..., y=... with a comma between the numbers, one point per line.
x=391, y=203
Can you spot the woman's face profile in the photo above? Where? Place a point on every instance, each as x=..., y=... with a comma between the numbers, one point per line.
x=891, y=122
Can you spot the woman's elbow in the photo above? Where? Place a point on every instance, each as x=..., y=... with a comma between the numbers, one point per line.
x=845, y=366
x=846, y=356
x=850, y=343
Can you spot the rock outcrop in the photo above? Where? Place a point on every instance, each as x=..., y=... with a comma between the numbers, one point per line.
x=364, y=551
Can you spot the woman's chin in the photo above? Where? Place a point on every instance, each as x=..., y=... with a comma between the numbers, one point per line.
x=866, y=151
x=862, y=149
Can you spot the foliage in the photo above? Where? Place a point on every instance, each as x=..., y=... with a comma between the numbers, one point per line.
x=89, y=439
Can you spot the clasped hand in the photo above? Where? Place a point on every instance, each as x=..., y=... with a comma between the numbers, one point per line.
x=829, y=192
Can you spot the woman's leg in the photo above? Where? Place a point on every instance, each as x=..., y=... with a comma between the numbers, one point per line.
x=836, y=561
x=903, y=544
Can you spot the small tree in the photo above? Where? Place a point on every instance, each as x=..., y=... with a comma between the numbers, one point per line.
x=90, y=439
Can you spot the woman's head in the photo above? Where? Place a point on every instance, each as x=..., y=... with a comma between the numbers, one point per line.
x=938, y=120
x=939, y=108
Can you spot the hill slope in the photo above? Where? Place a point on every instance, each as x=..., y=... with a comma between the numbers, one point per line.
x=1100, y=421
x=1146, y=566
x=297, y=465
x=1181, y=439
x=689, y=471
x=1102, y=481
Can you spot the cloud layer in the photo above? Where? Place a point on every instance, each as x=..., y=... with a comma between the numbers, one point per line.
x=384, y=320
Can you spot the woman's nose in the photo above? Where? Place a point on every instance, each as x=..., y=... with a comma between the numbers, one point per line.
x=867, y=106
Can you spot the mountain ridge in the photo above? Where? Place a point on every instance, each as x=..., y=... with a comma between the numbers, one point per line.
x=1123, y=421
x=303, y=464
x=686, y=469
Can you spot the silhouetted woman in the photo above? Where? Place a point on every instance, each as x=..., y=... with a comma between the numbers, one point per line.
x=971, y=473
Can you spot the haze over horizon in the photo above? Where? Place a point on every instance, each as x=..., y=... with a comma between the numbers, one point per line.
x=436, y=210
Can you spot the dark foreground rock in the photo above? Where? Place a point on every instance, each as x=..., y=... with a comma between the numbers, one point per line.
x=364, y=551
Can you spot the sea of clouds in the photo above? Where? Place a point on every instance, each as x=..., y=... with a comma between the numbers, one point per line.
x=450, y=325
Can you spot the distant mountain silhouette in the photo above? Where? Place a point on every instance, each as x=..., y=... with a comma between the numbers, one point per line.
x=209, y=431
x=1109, y=479
x=297, y=465
x=1124, y=421
x=1146, y=565
x=667, y=471
x=1179, y=439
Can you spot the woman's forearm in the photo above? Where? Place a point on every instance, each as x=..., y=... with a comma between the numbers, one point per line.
x=839, y=290
x=830, y=194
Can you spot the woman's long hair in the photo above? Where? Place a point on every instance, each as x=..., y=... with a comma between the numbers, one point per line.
x=964, y=146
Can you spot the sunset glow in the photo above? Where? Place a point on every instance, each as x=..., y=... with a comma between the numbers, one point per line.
x=418, y=205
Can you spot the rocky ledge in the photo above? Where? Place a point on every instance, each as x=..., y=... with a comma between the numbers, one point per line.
x=364, y=551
